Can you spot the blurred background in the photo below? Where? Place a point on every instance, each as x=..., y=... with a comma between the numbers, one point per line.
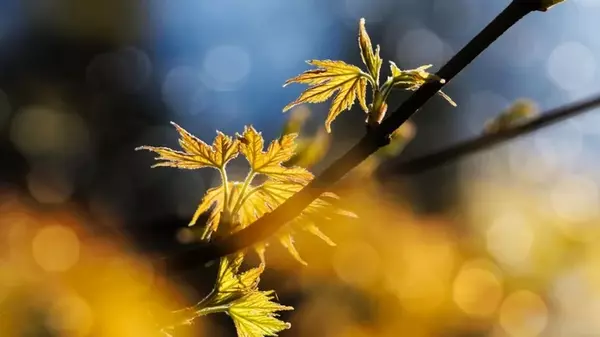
x=503, y=243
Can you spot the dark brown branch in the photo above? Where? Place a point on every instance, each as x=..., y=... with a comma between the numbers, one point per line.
x=433, y=160
x=371, y=142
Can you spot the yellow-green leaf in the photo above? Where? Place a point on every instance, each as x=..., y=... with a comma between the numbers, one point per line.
x=521, y=112
x=254, y=312
x=196, y=153
x=371, y=59
x=331, y=77
x=399, y=139
x=214, y=196
x=246, y=202
x=311, y=150
x=413, y=79
x=269, y=162
x=274, y=193
x=312, y=228
x=254, y=315
x=287, y=241
x=296, y=121
x=252, y=208
x=231, y=284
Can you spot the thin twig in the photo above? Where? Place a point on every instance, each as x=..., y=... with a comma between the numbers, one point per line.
x=435, y=159
x=264, y=227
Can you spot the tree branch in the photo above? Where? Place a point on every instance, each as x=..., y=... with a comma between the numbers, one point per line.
x=377, y=137
x=457, y=151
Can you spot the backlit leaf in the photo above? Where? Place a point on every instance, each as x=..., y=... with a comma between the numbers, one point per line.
x=296, y=120
x=247, y=202
x=331, y=77
x=413, y=79
x=212, y=197
x=269, y=162
x=521, y=112
x=371, y=59
x=287, y=241
x=311, y=150
x=399, y=139
x=231, y=284
x=196, y=153
x=254, y=313
x=274, y=193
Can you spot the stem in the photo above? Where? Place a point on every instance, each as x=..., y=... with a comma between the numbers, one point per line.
x=249, y=194
x=212, y=310
x=225, y=183
x=240, y=202
x=379, y=136
x=378, y=108
x=435, y=159
x=386, y=88
x=370, y=79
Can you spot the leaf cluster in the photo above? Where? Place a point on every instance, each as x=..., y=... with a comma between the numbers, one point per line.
x=348, y=83
x=234, y=205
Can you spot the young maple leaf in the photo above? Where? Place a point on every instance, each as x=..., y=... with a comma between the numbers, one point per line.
x=520, y=112
x=349, y=81
x=242, y=201
x=269, y=162
x=369, y=57
x=254, y=313
x=310, y=150
x=196, y=153
x=274, y=193
x=413, y=79
x=249, y=202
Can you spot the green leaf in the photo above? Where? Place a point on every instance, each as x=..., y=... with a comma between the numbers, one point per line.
x=274, y=193
x=413, y=79
x=296, y=121
x=196, y=153
x=253, y=312
x=371, y=59
x=399, y=139
x=269, y=162
x=252, y=201
x=231, y=284
x=311, y=150
x=331, y=77
x=254, y=315
x=520, y=112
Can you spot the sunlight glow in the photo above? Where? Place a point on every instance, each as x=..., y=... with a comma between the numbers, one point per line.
x=523, y=313
x=56, y=248
x=477, y=289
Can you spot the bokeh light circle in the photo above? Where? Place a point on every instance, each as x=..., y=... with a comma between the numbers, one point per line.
x=523, y=313
x=55, y=248
x=225, y=66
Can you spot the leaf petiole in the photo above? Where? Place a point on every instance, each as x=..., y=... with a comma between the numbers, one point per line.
x=370, y=78
x=242, y=198
x=225, y=183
